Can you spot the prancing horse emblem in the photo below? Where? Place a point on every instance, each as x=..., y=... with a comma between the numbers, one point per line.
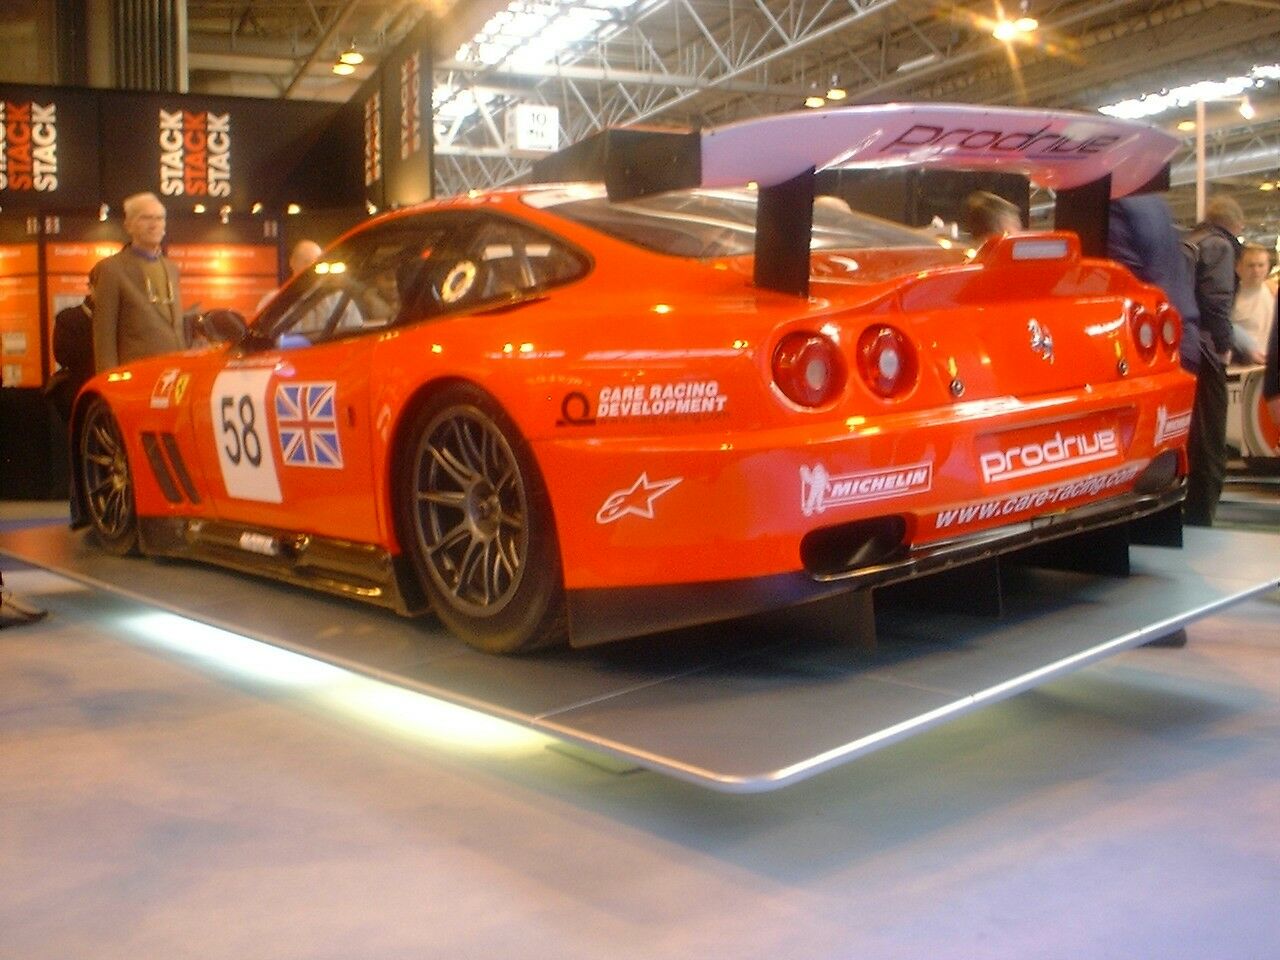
x=1041, y=340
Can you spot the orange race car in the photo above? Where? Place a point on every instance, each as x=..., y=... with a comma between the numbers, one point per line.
x=578, y=412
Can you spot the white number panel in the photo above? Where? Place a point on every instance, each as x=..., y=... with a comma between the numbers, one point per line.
x=238, y=406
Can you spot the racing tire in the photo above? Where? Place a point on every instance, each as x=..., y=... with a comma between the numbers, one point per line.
x=107, y=481
x=473, y=515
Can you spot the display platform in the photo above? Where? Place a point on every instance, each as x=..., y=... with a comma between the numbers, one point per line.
x=739, y=707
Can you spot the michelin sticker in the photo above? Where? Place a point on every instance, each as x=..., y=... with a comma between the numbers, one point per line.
x=819, y=490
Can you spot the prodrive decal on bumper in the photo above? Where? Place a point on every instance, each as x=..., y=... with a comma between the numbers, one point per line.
x=1036, y=499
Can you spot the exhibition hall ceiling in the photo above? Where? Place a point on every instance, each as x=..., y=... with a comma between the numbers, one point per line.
x=701, y=62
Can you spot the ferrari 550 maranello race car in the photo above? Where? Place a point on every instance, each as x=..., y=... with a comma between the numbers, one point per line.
x=581, y=411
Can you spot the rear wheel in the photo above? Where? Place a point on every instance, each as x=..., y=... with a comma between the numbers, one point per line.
x=476, y=522
x=107, y=481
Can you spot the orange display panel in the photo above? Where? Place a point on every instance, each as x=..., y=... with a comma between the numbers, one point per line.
x=224, y=259
x=238, y=293
x=20, y=331
x=76, y=258
x=18, y=259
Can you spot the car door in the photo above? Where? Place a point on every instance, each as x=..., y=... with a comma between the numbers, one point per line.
x=283, y=427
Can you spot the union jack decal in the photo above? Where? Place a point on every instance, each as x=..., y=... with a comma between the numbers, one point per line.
x=307, y=422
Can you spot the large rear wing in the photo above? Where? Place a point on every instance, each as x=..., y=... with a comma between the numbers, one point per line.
x=1086, y=157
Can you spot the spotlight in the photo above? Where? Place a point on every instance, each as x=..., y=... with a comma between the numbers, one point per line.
x=352, y=57
x=257, y=208
x=836, y=93
x=293, y=209
x=343, y=69
x=104, y=211
x=1004, y=31
x=224, y=214
x=1246, y=109
x=198, y=208
x=1186, y=126
x=814, y=101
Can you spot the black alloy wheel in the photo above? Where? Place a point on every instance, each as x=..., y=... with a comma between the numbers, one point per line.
x=107, y=481
x=477, y=524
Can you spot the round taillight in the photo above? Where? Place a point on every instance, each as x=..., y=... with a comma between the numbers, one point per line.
x=886, y=361
x=809, y=369
x=1170, y=325
x=1143, y=324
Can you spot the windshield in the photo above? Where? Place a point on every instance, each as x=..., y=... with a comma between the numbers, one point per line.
x=720, y=223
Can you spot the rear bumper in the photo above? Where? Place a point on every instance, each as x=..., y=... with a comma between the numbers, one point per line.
x=601, y=615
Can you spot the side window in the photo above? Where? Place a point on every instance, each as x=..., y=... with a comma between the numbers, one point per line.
x=514, y=260
x=367, y=283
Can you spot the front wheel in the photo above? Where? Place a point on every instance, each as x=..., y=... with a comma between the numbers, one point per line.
x=476, y=522
x=107, y=481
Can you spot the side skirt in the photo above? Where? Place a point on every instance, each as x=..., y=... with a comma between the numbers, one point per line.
x=360, y=570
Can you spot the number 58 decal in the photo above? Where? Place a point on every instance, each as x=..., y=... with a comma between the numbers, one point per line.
x=238, y=406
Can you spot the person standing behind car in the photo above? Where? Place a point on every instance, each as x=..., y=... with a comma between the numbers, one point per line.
x=1141, y=235
x=1254, y=308
x=73, y=349
x=986, y=215
x=1213, y=248
x=137, y=305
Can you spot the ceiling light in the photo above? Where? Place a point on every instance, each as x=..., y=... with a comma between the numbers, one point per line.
x=353, y=57
x=293, y=208
x=257, y=208
x=1186, y=126
x=814, y=101
x=1004, y=31
x=198, y=208
x=836, y=93
x=343, y=69
x=1026, y=24
x=1246, y=109
x=1266, y=185
x=1150, y=104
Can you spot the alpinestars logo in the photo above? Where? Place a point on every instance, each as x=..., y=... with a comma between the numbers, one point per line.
x=410, y=107
x=1056, y=452
x=819, y=490
x=195, y=153
x=28, y=146
x=1169, y=425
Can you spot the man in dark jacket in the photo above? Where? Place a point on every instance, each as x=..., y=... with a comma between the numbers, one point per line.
x=1216, y=252
x=73, y=349
x=1142, y=236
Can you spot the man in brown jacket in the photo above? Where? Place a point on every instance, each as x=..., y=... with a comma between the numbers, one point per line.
x=137, y=306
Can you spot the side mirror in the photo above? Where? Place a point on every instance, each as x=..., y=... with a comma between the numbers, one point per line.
x=223, y=326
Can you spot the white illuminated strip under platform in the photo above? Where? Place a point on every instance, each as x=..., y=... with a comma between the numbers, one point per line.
x=362, y=698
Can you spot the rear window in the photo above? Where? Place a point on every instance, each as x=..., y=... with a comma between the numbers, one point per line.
x=720, y=223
